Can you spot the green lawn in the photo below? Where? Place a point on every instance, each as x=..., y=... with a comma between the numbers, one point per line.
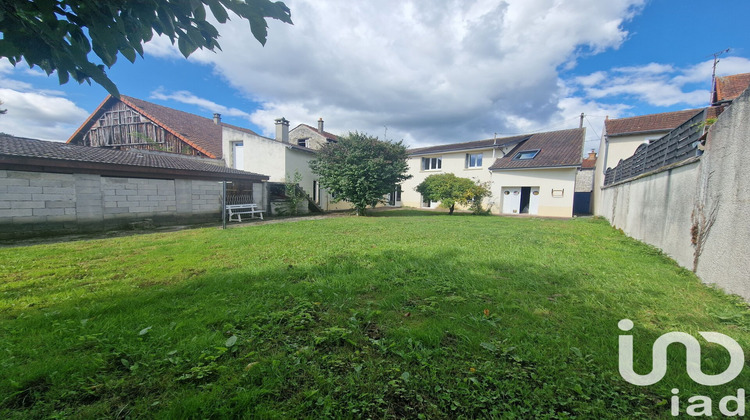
x=404, y=314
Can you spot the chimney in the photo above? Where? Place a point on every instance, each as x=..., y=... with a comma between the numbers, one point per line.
x=217, y=119
x=320, y=124
x=592, y=155
x=282, y=130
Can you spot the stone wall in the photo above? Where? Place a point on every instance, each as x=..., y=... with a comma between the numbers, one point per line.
x=37, y=203
x=696, y=211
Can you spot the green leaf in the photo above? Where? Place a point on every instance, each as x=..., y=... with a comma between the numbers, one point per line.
x=144, y=331
x=218, y=11
x=230, y=341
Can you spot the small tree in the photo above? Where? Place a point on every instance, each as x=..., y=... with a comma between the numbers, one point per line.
x=450, y=190
x=293, y=194
x=361, y=169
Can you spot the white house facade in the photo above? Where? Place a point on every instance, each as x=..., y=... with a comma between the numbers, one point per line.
x=531, y=174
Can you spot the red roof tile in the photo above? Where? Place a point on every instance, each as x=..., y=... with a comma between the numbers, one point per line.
x=728, y=88
x=588, y=163
x=666, y=121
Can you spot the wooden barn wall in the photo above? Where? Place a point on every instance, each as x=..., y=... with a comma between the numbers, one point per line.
x=122, y=127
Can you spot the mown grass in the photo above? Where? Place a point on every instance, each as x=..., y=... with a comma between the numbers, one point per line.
x=405, y=314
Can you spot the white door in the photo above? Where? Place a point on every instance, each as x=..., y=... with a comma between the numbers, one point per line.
x=238, y=151
x=534, y=201
x=511, y=200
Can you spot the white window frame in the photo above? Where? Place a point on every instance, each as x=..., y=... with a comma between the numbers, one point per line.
x=477, y=157
x=432, y=163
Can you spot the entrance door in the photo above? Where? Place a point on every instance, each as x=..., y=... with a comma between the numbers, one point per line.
x=525, y=195
x=534, y=201
x=511, y=200
x=520, y=200
x=394, y=198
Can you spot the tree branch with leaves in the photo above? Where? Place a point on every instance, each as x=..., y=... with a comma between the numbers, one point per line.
x=59, y=35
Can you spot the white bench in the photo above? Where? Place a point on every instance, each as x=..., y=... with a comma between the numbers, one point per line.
x=240, y=209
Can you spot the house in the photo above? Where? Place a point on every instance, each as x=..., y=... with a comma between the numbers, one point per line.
x=280, y=157
x=128, y=123
x=52, y=187
x=313, y=138
x=621, y=137
x=538, y=176
x=465, y=160
x=728, y=88
x=531, y=173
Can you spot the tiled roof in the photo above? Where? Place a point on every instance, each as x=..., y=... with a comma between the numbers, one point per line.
x=199, y=132
x=666, y=121
x=728, y=88
x=323, y=133
x=556, y=149
x=479, y=144
x=59, y=154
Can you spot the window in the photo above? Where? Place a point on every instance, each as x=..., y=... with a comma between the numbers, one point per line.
x=302, y=142
x=473, y=160
x=238, y=152
x=430, y=164
x=526, y=154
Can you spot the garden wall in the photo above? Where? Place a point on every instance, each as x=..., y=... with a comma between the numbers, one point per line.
x=39, y=203
x=696, y=210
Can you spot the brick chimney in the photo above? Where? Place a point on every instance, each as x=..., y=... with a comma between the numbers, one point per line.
x=592, y=155
x=217, y=119
x=320, y=124
x=282, y=130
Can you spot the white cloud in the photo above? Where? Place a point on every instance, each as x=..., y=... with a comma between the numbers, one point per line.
x=659, y=84
x=447, y=71
x=189, y=98
x=35, y=113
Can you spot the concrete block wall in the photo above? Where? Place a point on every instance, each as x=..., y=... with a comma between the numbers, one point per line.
x=37, y=203
x=696, y=211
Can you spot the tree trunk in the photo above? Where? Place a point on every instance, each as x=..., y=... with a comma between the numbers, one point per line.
x=451, y=209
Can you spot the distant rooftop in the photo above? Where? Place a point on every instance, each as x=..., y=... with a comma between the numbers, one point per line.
x=479, y=144
x=651, y=123
x=728, y=88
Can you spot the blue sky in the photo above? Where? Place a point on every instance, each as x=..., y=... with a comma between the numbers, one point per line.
x=456, y=71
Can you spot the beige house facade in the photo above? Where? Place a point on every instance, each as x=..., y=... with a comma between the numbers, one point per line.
x=532, y=174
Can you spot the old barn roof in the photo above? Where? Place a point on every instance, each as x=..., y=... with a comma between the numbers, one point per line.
x=30, y=154
x=554, y=149
x=201, y=133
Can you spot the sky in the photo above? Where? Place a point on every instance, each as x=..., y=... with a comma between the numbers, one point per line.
x=427, y=73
